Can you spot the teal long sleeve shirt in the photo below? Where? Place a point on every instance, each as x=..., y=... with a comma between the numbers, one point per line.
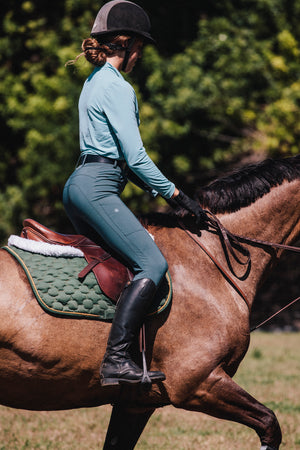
x=109, y=126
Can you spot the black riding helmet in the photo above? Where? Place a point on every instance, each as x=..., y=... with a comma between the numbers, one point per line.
x=121, y=16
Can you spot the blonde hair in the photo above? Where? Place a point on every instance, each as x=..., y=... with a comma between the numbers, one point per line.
x=96, y=53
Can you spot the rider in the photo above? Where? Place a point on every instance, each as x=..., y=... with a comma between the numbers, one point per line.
x=110, y=140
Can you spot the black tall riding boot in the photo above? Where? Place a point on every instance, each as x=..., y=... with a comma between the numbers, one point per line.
x=117, y=365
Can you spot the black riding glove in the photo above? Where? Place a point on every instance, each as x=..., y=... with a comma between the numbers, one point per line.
x=190, y=205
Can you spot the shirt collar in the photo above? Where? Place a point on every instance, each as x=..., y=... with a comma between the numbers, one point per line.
x=111, y=67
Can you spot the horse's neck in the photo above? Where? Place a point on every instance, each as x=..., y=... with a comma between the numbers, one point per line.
x=274, y=218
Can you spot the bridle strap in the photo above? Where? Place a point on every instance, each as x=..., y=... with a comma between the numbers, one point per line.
x=275, y=314
x=232, y=244
x=229, y=278
x=215, y=223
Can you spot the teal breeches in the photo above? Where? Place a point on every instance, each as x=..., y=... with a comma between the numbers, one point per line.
x=92, y=201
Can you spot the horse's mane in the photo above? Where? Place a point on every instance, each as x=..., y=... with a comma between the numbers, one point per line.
x=244, y=186
x=239, y=189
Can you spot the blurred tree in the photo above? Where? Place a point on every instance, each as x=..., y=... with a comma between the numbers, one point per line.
x=38, y=107
x=233, y=90
x=222, y=83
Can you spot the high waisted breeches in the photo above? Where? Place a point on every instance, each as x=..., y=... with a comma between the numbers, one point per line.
x=92, y=201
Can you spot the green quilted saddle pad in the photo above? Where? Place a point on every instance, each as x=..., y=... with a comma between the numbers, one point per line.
x=57, y=289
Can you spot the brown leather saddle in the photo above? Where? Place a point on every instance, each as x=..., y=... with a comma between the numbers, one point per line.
x=110, y=273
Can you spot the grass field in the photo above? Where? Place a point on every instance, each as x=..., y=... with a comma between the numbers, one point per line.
x=270, y=372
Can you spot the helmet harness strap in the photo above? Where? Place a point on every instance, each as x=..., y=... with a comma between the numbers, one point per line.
x=127, y=52
x=119, y=47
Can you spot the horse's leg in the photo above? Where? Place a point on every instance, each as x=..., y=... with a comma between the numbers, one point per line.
x=125, y=427
x=221, y=397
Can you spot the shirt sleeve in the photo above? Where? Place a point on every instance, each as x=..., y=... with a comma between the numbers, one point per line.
x=120, y=107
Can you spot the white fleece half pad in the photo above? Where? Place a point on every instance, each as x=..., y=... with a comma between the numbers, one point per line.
x=43, y=248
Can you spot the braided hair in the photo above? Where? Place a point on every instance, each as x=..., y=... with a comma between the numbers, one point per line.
x=96, y=52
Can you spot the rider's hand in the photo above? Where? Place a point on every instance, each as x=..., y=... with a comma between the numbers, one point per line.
x=193, y=207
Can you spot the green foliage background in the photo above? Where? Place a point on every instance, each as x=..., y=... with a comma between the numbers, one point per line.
x=222, y=85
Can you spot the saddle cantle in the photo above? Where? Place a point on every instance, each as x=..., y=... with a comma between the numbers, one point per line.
x=110, y=273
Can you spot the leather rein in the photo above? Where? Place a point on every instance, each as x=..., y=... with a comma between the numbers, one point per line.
x=232, y=246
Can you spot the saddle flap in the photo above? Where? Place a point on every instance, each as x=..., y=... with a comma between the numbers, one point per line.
x=111, y=274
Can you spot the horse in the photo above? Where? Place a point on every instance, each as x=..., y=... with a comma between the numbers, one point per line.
x=50, y=363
